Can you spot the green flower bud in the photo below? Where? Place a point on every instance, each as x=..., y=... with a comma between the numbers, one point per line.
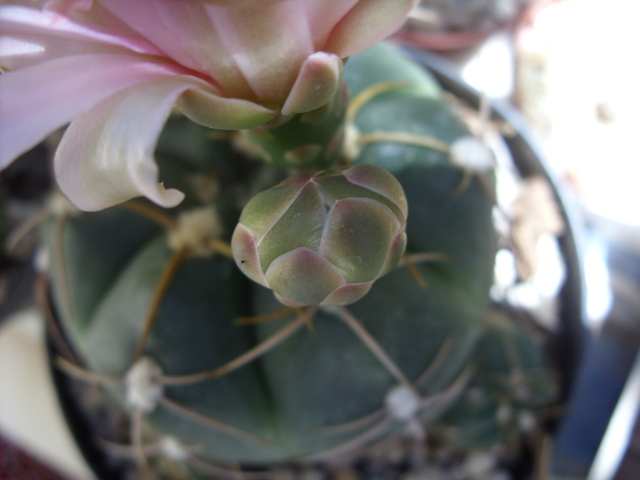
x=323, y=240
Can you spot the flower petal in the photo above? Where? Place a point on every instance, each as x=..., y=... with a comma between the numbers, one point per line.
x=185, y=32
x=347, y=294
x=323, y=16
x=379, y=180
x=213, y=111
x=67, y=5
x=53, y=23
x=106, y=154
x=357, y=238
x=245, y=253
x=19, y=50
x=268, y=41
x=302, y=276
x=177, y=28
x=369, y=22
x=316, y=84
x=36, y=101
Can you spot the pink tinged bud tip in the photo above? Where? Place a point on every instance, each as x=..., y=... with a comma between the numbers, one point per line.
x=323, y=240
x=316, y=84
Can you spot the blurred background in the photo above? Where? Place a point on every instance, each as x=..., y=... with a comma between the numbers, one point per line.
x=572, y=69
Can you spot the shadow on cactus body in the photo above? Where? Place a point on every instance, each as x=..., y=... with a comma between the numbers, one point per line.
x=275, y=391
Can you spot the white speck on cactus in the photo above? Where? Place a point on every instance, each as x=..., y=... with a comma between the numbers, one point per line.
x=519, y=385
x=196, y=229
x=171, y=448
x=526, y=421
x=504, y=414
x=480, y=464
x=415, y=430
x=59, y=206
x=42, y=260
x=351, y=147
x=143, y=388
x=471, y=154
x=402, y=403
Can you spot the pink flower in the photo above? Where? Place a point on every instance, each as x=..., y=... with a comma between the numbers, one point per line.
x=116, y=68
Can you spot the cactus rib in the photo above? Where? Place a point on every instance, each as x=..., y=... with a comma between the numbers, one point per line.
x=161, y=289
x=436, y=362
x=279, y=313
x=260, y=349
x=61, y=273
x=374, y=347
x=212, y=422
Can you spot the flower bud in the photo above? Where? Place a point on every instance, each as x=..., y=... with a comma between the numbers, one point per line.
x=323, y=240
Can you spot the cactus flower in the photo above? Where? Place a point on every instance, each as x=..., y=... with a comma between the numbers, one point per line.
x=323, y=240
x=116, y=68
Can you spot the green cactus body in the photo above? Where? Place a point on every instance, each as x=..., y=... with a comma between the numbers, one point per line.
x=278, y=391
x=512, y=382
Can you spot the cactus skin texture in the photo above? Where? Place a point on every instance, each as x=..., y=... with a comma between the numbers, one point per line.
x=275, y=391
x=323, y=240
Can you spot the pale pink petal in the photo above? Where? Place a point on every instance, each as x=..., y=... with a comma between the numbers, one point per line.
x=175, y=27
x=36, y=101
x=19, y=19
x=20, y=50
x=269, y=42
x=251, y=50
x=106, y=154
x=347, y=294
x=316, y=84
x=68, y=6
x=323, y=16
x=367, y=23
x=193, y=40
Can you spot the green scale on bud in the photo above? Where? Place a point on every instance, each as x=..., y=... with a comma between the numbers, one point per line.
x=323, y=240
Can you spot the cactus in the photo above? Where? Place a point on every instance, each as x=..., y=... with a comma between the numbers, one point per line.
x=208, y=365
